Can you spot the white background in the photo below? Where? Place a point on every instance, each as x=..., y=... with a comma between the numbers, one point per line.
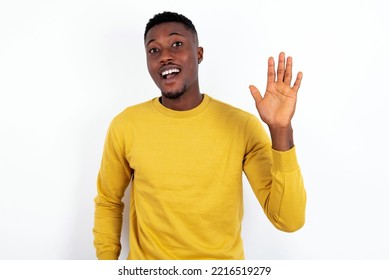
x=68, y=67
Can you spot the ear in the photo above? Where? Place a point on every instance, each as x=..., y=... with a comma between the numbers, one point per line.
x=200, y=52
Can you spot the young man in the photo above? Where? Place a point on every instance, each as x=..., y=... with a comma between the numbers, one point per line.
x=184, y=153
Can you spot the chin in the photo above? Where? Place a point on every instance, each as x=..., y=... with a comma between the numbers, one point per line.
x=173, y=94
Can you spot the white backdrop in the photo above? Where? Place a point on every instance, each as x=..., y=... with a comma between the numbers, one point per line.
x=68, y=67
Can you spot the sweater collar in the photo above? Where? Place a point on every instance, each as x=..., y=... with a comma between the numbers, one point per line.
x=181, y=114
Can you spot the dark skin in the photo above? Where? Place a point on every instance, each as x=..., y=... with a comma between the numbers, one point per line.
x=172, y=46
x=173, y=56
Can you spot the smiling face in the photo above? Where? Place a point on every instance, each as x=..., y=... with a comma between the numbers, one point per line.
x=173, y=56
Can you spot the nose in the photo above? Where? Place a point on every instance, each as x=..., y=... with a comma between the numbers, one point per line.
x=166, y=56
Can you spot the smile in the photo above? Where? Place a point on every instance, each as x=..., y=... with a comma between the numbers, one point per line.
x=170, y=73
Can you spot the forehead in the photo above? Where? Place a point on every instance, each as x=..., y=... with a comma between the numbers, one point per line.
x=164, y=30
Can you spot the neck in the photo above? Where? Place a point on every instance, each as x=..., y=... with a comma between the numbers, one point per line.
x=183, y=103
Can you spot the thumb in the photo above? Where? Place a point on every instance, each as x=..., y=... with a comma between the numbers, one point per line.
x=255, y=93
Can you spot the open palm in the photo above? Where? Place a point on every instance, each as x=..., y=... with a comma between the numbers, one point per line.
x=276, y=108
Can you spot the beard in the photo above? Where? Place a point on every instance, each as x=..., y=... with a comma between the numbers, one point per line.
x=174, y=94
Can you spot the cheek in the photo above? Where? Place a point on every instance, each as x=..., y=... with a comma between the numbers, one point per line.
x=192, y=62
x=152, y=69
x=193, y=65
x=149, y=66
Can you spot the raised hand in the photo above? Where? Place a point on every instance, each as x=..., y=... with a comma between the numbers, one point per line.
x=276, y=108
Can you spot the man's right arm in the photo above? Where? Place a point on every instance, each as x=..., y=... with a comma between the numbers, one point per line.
x=113, y=179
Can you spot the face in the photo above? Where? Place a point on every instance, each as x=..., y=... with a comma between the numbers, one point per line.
x=173, y=56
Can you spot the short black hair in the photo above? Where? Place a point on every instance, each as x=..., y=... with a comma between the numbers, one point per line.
x=170, y=17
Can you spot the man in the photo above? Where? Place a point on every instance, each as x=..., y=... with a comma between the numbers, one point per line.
x=184, y=153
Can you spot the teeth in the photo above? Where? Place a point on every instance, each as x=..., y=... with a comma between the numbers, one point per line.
x=170, y=71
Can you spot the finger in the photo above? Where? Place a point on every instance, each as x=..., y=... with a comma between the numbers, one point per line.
x=255, y=93
x=288, y=72
x=297, y=83
x=281, y=67
x=271, y=73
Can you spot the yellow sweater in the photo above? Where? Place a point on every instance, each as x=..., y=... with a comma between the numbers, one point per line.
x=186, y=191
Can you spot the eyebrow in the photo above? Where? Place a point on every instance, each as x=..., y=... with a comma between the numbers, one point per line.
x=171, y=34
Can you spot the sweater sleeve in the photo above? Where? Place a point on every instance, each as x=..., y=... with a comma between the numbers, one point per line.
x=113, y=178
x=275, y=178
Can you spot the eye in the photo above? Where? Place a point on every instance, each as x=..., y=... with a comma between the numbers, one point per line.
x=153, y=50
x=177, y=44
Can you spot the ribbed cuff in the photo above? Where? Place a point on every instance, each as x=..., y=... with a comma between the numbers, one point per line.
x=107, y=256
x=285, y=161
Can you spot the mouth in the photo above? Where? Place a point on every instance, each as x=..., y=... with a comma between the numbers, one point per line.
x=169, y=72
